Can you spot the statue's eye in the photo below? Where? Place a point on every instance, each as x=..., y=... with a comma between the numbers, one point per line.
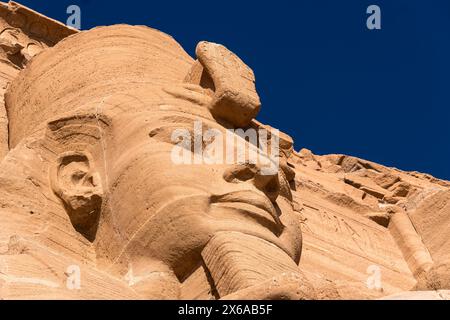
x=171, y=134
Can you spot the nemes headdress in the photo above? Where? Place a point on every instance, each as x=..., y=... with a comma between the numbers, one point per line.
x=88, y=66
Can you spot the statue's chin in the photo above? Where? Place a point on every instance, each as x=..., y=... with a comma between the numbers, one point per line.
x=178, y=233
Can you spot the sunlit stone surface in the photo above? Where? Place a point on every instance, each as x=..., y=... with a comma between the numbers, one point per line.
x=93, y=207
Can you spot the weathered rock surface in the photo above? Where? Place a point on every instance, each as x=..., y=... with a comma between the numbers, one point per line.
x=355, y=217
x=93, y=206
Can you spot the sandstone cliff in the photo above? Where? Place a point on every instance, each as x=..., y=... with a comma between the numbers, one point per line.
x=359, y=214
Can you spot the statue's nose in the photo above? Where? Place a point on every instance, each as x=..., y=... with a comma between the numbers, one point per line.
x=267, y=183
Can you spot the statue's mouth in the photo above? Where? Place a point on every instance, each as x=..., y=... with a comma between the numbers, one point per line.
x=251, y=202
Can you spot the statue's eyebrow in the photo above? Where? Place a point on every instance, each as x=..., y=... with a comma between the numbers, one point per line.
x=164, y=133
x=180, y=119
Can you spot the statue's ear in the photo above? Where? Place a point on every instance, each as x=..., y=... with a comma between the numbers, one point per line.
x=76, y=182
x=230, y=82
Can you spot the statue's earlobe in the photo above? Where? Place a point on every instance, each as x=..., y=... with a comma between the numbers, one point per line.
x=76, y=182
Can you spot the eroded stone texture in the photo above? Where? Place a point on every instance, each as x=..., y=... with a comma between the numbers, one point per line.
x=88, y=187
x=23, y=34
x=367, y=214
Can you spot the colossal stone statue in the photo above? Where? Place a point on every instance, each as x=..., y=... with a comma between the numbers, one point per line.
x=92, y=204
x=95, y=115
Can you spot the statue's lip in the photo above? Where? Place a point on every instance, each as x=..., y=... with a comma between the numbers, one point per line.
x=250, y=198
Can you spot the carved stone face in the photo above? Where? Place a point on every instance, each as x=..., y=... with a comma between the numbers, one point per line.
x=108, y=125
x=171, y=211
x=163, y=211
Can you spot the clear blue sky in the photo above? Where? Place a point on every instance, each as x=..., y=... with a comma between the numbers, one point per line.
x=323, y=77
